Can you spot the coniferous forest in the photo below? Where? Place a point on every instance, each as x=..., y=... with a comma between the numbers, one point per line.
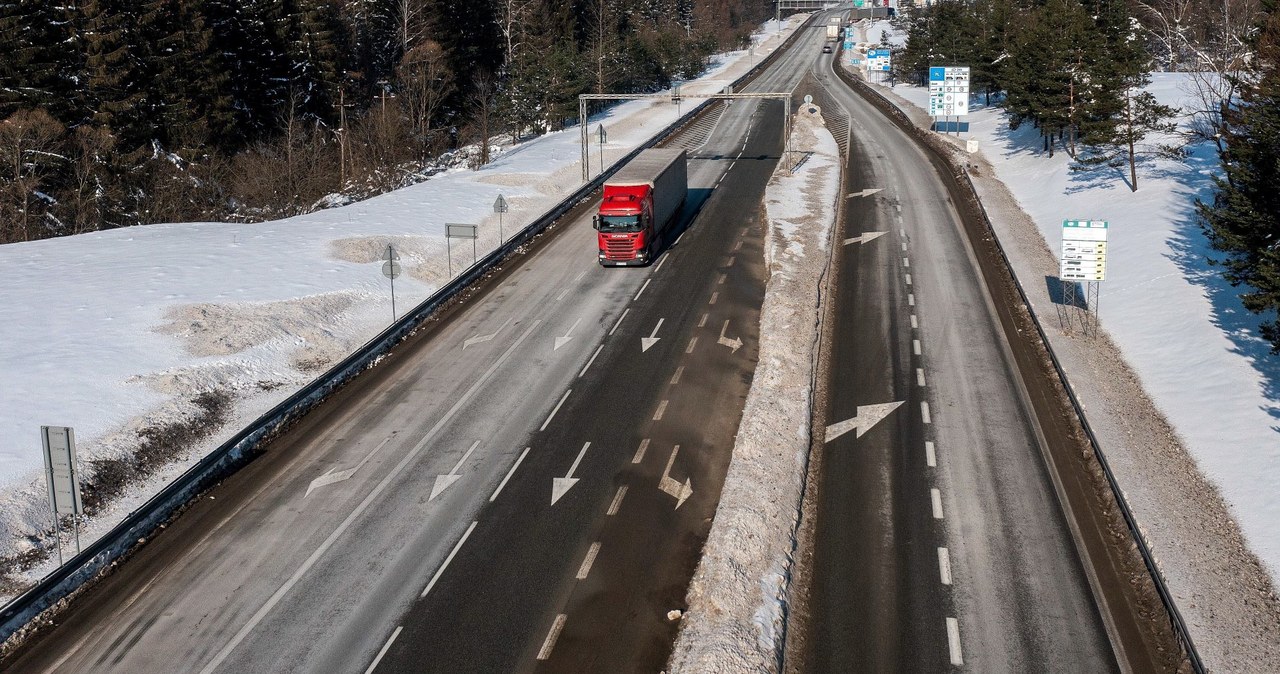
x=126, y=112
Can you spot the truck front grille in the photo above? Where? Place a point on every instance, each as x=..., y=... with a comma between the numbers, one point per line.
x=618, y=249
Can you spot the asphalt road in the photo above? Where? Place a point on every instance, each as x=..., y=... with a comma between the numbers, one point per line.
x=940, y=542
x=409, y=524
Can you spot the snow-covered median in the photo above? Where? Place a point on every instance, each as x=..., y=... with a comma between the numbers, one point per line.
x=737, y=600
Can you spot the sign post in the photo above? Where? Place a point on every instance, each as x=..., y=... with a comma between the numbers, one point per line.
x=456, y=231
x=948, y=93
x=1083, y=260
x=603, y=137
x=391, y=269
x=62, y=475
x=500, y=207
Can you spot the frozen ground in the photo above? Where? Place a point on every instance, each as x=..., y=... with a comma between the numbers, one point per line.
x=1180, y=388
x=118, y=331
x=738, y=596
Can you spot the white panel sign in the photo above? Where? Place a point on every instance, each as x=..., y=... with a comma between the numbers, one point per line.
x=60, y=469
x=1084, y=250
x=948, y=91
x=455, y=231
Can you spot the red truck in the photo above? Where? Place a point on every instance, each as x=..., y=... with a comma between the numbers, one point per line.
x=640, y=202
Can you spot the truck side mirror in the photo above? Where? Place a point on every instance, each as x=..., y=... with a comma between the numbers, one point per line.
x=595, y=222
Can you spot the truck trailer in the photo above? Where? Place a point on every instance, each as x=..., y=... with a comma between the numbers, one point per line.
x=639, y=204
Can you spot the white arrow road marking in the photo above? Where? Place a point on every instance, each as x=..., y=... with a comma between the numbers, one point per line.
x=865, y=193
x=561, y=485
x=561, y=341
x=868, y=416
x=332, y=477
x=734, y=343
x=484, y=338
x=681, y=492
x=865, y=237
x=646, y=342
x=443, y=481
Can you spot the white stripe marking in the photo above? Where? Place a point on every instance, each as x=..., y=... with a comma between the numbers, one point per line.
x=911, y=298
x=692, y=342
x=906, y=262
x=646, y=285
x=591, y=360
x=924, y=413
x=676, y=378
x=915, y=324
x=662, y=407
x=930, y=455
x=714, y=297
x=904, y=246
x=452, y=553
x=915, y=345
x=590, y=559
x=557, y=409
x=644, y=445
x=920, y=376
x=509, y=474
x=737, y=246
x=385, y=647
x=617, y=500
x=703, y=321
x=908, y=279
x=554, y=634
x=721, y=279
x=563, y=293
x=660, y=263
x=615, y=325
x=944, y=565
x=364, y=505
x=935, y=497
x=953, y=641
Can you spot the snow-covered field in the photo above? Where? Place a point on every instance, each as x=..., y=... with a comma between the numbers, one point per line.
x=113, y=332
x=1195, y=352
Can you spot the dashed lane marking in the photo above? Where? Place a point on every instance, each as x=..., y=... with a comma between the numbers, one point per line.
x=935, y=497
x=919, y=375
x=588, y=561
x=662, y=408
x=590, y=361
x=924, y=413
x=692, y=343
x=445, y=565
x=615, y=325
x=644, y=445
x=675, y=379
x=617, y=501
x=953, y=641
x=944, y=565
x=554, y=634
x=646, y=285
x=557, y=409
x=930, y=455
x=915, y=345
x=703, y=321
x=714, y=296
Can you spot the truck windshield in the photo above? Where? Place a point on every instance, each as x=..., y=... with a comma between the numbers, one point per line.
x=619, y=223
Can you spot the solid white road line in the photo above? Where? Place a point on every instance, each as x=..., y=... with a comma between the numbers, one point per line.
x=554, y=634
x=660, y=263
x=615, y=325
x=911, y=297
x=915, y=346
x=915, y=324
x=944, y=565
x=385, y=647
x=703, y=321
x=591, y=360
x=440, y=571
x=953, y=641
x=646, y=285
x=662, y=407
x=364, y=505
x=644, y=446
x=692, y=342
x=588, y=561
x=557, y=409
x=617, y=500
x=930, y=456
x=675, y=379
x=935, y=497
x=919, y=376
x=924, y=413
x=509, y=474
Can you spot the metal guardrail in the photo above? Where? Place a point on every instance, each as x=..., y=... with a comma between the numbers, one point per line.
x=116, y=544
x=1176, y=621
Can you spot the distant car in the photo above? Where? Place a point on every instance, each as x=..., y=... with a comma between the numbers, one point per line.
x=826, y=49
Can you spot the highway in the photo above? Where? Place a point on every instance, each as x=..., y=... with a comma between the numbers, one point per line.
x=940, y=542
x=525, y=485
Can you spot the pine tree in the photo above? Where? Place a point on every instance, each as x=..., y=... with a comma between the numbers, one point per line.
x=1244, y=219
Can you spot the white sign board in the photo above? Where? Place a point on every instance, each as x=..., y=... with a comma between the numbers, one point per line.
x=60, y=469
x=1084, y=250
x=948, y=91
x=878, y=60
x=454, y=231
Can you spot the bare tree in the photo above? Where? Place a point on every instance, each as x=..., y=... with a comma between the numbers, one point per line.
x=426, y=81
x=90, y=177
x=29, y=142
x=512, y=17
x=484, y=98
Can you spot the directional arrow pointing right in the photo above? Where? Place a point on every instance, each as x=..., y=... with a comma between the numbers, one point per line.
x=865, y=193
x=865, y=237
x=561, y=341
x=681, y=492
x=868, y=416
x=561, y=485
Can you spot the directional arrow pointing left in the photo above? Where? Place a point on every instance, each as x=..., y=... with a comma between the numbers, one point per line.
x=561, y=341
x=865, y=237
x=646, y=342
x=332, y=477
x=484, y=338
x=443, y=481
x=868, y=416
x=865, y=193
x=561, y=485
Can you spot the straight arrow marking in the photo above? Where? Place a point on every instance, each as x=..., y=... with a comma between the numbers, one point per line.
x=866, y=237
x=868, y=416
x=646, y=342
x=681, y=492
x=561, y=485
x=734, y=343
x=865, y=193
x=332, y=477
x=484, y=338
x=443, y=481
x=561, y=341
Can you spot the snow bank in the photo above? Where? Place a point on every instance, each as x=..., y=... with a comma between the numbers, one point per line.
x=117, y=331
x=738, y=596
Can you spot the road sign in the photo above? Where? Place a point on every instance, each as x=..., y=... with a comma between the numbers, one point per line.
x=60, y=469
x=1084, y=250
x=878, y=60
x=391, y=269
x=500, y=205
x=948, y=91
x=454, y=231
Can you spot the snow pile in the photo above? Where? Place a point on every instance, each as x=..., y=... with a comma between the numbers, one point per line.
x=1181, y=391
x=737, y=599
x=119, y=331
